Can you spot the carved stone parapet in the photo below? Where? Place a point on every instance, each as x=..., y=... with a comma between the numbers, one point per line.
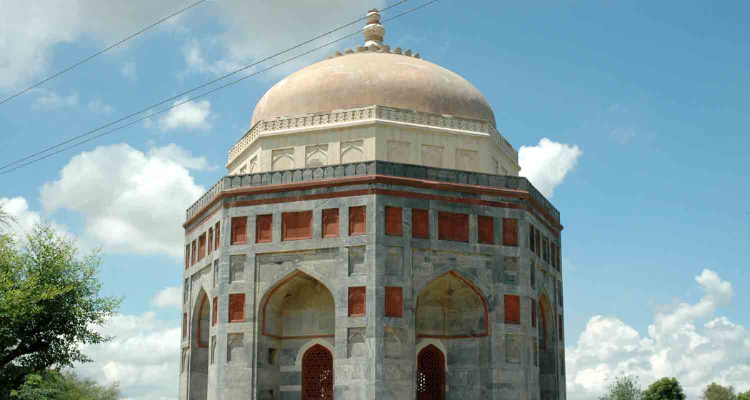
x=371, y=113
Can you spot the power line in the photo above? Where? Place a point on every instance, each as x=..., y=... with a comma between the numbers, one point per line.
x=102, y=51
x=199, y=96
x=196, y=88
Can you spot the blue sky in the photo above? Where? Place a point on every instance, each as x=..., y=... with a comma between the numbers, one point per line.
x=653, y=94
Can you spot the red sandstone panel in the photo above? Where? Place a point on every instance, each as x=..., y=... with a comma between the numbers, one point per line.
x=263, y=229
x=330, y=222
x=510, y=232
x=357, y=301
x=533, y=313
x=486, y=229
x=296, y=225
x=461, y=227
x=239, y=230
x=210, y=239
x=202, y=247
x=237, y=307
x=394, y=221
x=218, y=238
x=420, y=224
x=195, y=254
x=357, y=221
x=453, y=226
x=394, y=297
x=512, y=309
x=214, y=315
x=553, y=257
x=187, y=256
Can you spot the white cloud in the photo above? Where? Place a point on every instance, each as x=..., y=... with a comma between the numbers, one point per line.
x=192, y=115
x=97, y=106
x=179, y=155
x=130, y=201
x=676, y=346
x=128, y=71
x=547, y=164
x=51, y=100
x=24, y=218
x=32, y=28
x=169, y=297
x=244, y=42
x=143, y=357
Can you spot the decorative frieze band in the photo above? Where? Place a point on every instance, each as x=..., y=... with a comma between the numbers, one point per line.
x=382, y=168
x=371, y=113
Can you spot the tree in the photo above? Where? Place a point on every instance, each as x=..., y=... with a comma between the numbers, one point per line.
x=625, y=387
x=664, y=389
x=744, y=396
x=5, y=218
x=63, y=386
x=715, y=391
x=49, y=305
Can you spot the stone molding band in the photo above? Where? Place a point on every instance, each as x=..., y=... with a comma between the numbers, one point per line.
x=373, y=114
x=261, y=183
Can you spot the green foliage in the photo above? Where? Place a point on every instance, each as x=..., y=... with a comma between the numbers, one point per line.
x=744, y=396
x=664, y=389
x=625, y=387
x=715, y=391
x=49, y=305
x=63, y=386
x=5, y=218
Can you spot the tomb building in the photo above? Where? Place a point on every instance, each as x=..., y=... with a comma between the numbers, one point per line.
x=372, y=240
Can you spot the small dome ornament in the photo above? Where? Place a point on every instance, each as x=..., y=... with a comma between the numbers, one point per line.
x=374, y=32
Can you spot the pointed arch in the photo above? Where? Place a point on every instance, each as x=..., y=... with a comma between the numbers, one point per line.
x=433, y=342
x=297, y=297
x=483, y=290
x=544, y=321
x=547, y=343
x=200, y=327
x=202, y=319
x=430, y=374
x=451, y=307
x=312, y=342
x=317, y=373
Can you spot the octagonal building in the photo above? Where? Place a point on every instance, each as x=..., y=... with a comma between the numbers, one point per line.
x=372, y=240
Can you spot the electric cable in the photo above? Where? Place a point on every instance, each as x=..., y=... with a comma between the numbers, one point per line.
x=190, y=91
x=102, y=51
x=189, y=100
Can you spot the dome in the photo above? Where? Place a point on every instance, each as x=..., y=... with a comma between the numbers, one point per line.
x=367, y=78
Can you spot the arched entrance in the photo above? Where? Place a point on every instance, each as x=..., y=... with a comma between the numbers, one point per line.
x=317, y=373
x=548, y=382
x=200, y=326
x=296, y=312
x=430, y=374
x=546, y=345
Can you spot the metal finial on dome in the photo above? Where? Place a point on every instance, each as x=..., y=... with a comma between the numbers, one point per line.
x=373, y=31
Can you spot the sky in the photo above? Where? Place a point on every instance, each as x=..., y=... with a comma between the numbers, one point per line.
x=631, y=117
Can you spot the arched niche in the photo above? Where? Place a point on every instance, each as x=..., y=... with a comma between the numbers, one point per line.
x=451, y=307
x=299, y=307
x=547, y=348
x=199, y=354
